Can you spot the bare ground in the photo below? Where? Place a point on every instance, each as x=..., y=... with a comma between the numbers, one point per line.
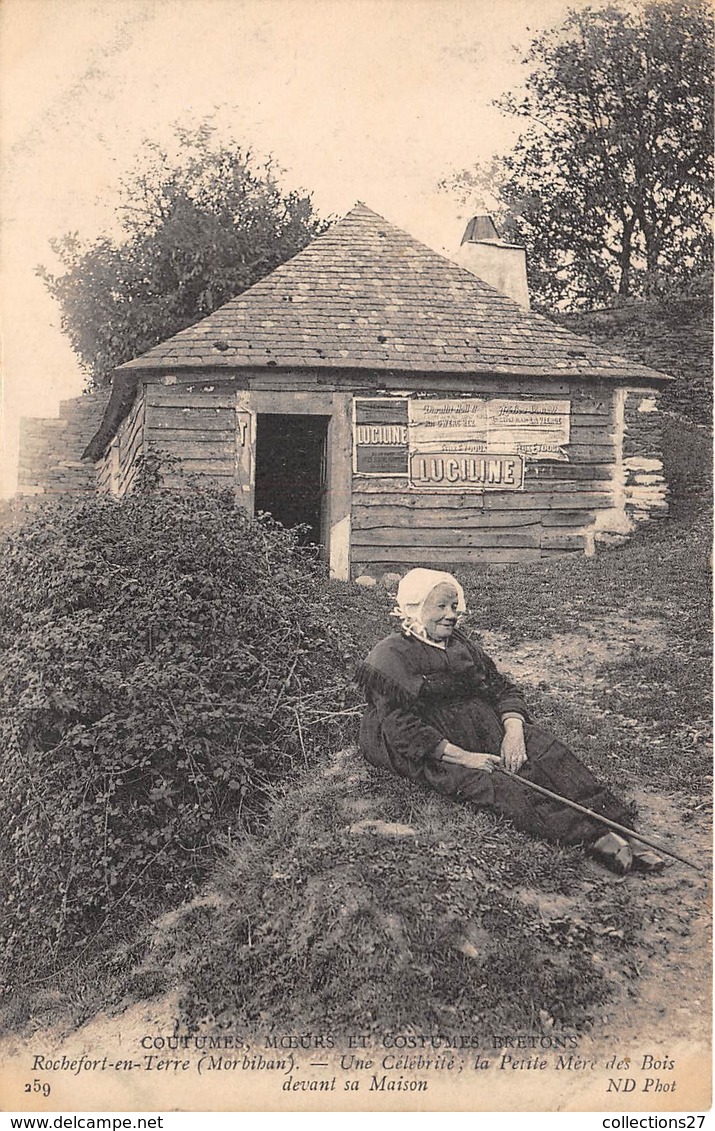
x=663, y=1002
x=666, y=987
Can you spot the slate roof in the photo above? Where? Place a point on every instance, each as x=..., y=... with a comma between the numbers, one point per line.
x=366, y=295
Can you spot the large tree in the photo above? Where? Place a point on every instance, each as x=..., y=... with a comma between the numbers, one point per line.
x=194, y=229
x=609, y=185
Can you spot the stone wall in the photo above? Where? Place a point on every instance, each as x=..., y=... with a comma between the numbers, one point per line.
x=49, y=461
x=644, y=480
x=640, y=490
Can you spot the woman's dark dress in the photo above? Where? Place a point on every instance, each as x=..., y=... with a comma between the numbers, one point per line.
x=419, y=695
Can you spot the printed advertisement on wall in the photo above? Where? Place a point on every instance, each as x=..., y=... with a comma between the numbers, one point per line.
x=465, y=444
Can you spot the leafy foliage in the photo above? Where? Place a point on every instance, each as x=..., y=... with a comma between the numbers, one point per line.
x=195, y=230
x=165, y=660
x=609, y=184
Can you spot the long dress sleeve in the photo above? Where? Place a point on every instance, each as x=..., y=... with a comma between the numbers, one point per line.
x=396, y=737
x=500, y=691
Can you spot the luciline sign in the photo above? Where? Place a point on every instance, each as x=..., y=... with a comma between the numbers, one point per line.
x=380, y=431
x=448, y=471
x=471, y=444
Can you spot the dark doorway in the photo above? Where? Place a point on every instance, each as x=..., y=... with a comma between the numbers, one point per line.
x=291, y=470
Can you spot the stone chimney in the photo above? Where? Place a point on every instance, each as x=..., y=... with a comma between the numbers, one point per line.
x=502, y=265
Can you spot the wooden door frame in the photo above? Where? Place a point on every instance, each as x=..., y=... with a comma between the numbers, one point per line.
x=338, y=408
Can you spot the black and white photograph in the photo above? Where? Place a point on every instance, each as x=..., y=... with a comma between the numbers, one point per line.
x=355, y=572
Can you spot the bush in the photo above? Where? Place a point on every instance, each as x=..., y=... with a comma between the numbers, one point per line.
x=166, y=659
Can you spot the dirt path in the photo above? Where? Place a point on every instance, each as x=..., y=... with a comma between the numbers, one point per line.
x=665, y=987
x=571, y=661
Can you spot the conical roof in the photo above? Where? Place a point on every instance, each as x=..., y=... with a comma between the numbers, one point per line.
x=367, y=295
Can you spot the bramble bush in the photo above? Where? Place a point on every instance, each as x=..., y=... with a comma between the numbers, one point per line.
x=166, y=659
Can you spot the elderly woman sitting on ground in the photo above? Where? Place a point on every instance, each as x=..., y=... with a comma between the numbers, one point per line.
x=440, y=713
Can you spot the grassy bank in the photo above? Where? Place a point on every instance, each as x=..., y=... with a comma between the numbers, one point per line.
x=353, y=898
x=368, y=903
x=436, y=916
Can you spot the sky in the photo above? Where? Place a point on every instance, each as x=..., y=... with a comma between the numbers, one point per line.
x=372, y=100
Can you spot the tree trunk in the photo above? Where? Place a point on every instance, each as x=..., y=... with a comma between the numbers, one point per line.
x=624, y=258
x=652, y=251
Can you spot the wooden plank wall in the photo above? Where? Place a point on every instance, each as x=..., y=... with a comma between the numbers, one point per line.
x=393, y=526
x=131, y=443
x=118, y=468
x=196, y=427
x=104, y=471
x=193, y=419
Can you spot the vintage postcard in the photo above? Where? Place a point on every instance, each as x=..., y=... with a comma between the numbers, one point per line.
x=400, y=799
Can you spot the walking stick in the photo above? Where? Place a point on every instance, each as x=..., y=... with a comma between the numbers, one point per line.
x=630, y=833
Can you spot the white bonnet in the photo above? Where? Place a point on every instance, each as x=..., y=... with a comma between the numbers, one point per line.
x=416, y=586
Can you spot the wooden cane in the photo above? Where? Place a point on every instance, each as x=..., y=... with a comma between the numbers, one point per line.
x=631, y=834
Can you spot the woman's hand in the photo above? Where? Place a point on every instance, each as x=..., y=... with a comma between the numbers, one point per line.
x=513, y=746
x=456, y=756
